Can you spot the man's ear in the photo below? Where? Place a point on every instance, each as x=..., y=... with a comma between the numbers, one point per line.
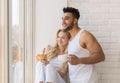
x=75, y=21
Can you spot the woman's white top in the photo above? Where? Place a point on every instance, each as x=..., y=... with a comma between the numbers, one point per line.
x=58, y=61
x=81, y=73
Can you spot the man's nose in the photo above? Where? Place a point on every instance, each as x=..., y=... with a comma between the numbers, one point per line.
x=63, y=22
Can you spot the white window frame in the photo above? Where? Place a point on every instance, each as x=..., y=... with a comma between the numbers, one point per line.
x=4, y=48
x=5, y=24
x=26, y=9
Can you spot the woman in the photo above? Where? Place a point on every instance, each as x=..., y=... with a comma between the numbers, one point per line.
x=53, y=68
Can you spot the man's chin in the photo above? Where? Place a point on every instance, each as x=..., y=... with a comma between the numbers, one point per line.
x=64, y=28
x=67, y=29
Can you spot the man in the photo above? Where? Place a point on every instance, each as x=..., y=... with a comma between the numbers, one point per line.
x=83, y=49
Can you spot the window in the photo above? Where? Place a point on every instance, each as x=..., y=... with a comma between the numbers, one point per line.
x=21, y=36
x=16, y=42
x=16, y=46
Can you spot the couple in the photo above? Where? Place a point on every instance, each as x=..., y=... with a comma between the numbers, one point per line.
x=83, y=52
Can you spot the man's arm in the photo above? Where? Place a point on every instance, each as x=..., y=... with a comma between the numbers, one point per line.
x=88, y=41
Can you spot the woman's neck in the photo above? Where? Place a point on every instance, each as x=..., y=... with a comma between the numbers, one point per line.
x=61, y=50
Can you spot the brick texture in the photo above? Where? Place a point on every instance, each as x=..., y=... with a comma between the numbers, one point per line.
x=102, y=18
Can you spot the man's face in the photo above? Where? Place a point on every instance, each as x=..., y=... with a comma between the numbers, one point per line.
x=67, y=21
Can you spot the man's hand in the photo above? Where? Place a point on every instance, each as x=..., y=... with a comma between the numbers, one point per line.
x=73, y=59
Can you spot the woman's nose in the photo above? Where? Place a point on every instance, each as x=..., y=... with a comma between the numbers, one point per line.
x=60, y=39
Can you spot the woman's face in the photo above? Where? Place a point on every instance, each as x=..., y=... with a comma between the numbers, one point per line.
x=62, y=39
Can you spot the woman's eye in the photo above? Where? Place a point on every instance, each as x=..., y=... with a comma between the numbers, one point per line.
x=58, y=37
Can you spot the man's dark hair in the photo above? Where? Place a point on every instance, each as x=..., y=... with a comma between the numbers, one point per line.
x=72, y=10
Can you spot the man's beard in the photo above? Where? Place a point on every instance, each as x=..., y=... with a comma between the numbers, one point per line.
x=69, y=27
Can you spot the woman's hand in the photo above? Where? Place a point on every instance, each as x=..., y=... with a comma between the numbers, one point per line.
x=44, y=61
x=47, y=49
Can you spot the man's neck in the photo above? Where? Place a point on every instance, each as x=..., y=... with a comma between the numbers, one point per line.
x=74, y=32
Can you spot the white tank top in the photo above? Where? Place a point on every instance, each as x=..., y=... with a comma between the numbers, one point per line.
x=81, y=73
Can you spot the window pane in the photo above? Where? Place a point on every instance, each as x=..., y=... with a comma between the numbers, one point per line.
x=16, y=44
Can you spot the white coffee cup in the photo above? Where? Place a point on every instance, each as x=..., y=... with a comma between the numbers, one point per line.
x=63, y=58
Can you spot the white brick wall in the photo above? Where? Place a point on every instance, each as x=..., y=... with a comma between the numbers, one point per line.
x=102, y=18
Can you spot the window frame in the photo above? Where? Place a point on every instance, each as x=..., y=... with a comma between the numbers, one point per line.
x=5, y=26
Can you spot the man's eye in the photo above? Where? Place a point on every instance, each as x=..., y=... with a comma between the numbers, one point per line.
x=66, y=18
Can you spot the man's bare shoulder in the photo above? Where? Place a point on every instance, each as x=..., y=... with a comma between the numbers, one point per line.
x=86, y=34
x=87, y=37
